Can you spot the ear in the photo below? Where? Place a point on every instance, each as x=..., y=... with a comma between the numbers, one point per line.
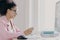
x=8, y=10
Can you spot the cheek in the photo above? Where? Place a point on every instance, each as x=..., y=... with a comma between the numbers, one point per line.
x=13, y=15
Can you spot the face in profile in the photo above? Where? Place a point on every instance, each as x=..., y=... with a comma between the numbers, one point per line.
x=11, y=12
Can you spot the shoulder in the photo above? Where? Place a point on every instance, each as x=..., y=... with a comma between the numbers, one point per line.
x=2, y=21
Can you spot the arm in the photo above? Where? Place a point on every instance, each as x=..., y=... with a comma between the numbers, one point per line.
x=25, y=32
x=4, y=33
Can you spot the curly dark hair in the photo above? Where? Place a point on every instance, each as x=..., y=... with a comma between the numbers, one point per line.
x=4, y=5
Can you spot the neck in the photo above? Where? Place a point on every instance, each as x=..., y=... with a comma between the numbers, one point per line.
x=8, y=18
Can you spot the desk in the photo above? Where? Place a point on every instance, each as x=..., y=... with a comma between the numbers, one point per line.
x=38, y=37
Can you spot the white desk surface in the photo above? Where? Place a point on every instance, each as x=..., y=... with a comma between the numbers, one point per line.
x=38, y=37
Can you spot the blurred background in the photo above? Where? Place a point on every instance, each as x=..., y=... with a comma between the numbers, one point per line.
x=39, y=14
x=27, y=14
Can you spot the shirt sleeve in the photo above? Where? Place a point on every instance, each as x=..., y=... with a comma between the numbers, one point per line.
x=18, y=30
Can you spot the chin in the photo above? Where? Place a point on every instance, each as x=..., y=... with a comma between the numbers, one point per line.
x=13, y=17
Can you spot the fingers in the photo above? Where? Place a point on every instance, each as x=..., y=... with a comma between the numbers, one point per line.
x=28, y=31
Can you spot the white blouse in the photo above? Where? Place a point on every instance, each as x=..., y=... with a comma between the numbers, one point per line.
x=10, y=28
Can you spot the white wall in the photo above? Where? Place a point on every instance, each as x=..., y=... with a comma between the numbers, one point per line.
x=22, y=18
x=33, y=15
x=27, y=14
x=46, y=14
x=41, y=15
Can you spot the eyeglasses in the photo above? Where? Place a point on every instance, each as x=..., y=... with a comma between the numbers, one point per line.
x=13, y=10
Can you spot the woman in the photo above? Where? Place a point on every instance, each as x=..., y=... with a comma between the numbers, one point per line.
x=8, y=31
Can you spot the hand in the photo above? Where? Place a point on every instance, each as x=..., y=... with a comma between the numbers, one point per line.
x=28, y=31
